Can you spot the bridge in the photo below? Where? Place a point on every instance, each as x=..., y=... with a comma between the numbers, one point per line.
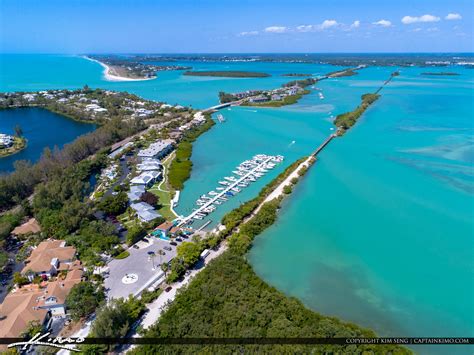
x=222, y=193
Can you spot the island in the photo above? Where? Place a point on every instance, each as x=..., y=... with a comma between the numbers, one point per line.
x=228, y=74
x=11, y=144
x=288, y=94
x=125, y=69
x=296, y=74
x=341, y=73
x=440, y=73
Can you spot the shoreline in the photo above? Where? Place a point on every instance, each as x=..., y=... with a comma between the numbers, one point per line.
x=110, y=77
x=21, y=144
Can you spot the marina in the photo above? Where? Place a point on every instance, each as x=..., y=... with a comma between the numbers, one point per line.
x=247, y=172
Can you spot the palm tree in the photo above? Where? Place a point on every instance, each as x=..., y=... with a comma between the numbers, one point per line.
x=164, y=267
x=161, y=253
x=152, y=258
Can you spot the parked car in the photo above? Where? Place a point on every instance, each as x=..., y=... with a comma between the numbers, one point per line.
x=145, y=240
x=168, y=289
x=179, y=239
x=167, y=248
x=136, y=246
x=173, y=243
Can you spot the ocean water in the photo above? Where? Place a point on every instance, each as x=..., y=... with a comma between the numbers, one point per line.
x=386, y=216
x=42, y=129
x=380, y=231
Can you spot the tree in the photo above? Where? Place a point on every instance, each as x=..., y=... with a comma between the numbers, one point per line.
x=165, y=267
x=3, y=259
x=114, y=205
x=19, y=279
x=189, y=252
x=83, y=299
x=18, y=130
x=114, y=321
x=34, y=327
x=134, y=234
x=149, y=198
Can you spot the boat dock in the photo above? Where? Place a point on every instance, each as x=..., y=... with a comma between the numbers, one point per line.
x=225, y=191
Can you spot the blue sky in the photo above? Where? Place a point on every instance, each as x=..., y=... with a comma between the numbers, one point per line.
x=211, y=26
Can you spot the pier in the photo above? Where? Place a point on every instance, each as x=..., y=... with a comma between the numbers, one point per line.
x=323, y=145
x=223, y=192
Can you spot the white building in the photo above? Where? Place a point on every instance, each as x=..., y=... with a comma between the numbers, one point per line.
x=6, y=140
x=157, y=150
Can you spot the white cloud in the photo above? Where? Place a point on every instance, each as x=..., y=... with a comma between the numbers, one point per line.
x=453, y=17
x=328, y=24
x=407, y=20
x=432, y=29
x=355, y=24
x=276, y=29
x=305, y=28
x=248, y=33
x=383, y=23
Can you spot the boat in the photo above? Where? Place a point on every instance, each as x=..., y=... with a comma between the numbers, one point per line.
x=212, y=193
x=236, y=189
x=219, y=188
x=230, y=178
x=220, y=118
x=223, y=183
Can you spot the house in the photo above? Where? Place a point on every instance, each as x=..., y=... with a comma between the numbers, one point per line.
x=136, y=191
x=145, y=212
x=6, y=140
x=259, y=98
x=36, y=303
x=164, y=228
x=157, y=150
x=48, y=258
x=30, y=227
x=276, y=97
x=149, y=165
x=148, y=215
x=146, y=178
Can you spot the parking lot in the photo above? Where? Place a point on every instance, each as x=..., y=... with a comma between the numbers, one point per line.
x=138, y=271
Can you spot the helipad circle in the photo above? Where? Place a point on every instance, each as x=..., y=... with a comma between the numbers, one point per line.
x=130, y=279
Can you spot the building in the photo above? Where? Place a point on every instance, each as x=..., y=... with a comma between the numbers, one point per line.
x=48, y=258
x=276, y=97
x=38, y=303
x=145, y=212
x=30, y=227
x=157, y=150
x=6, y=140
x=135, y=192
x=146, y=178
x=165, y=228
x=260, y=98
x=149, y=165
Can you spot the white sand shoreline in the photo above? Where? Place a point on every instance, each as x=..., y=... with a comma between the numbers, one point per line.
x=111, y=77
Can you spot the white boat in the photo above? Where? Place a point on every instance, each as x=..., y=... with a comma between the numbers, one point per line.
x=219, y=188
x=212, y=193
x=223, y=183
x=230, y=178
x=236, y=189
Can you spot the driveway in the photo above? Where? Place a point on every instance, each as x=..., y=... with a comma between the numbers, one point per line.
x=138, y=271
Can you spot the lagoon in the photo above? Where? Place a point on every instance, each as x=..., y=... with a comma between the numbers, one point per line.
x=42, y=129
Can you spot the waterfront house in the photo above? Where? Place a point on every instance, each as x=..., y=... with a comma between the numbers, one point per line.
x=165, y=228
x=136, y=191
x=6, y=140
x=260, y=98
x=276, y=97
x=49, y=257
x=157, y=150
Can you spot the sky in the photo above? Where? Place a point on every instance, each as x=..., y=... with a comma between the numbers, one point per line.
x=229, y=26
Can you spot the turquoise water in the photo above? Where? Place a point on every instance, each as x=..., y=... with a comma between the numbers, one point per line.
x=380, y=231
x=42, y=129
x=386, y=216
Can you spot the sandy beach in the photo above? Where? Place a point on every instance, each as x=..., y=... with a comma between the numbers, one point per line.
x=110, y=75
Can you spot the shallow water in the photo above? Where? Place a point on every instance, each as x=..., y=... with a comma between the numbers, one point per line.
x=380, y=231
